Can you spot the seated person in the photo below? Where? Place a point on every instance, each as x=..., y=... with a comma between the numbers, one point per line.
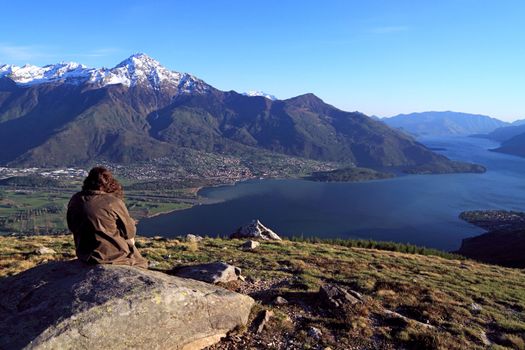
x=102, y=228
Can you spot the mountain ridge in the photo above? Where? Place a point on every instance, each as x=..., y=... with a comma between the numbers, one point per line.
x=505, y=133
x=138, y=69
x=156, y=114
x=445, y=123
x=515, y=145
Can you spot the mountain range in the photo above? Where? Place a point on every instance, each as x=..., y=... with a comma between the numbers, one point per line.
x=69, y=114
x=511, y=137
x=444, y=123
x=505, y=133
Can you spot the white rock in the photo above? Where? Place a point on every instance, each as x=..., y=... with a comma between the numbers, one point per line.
x=193, y=238
x=45, y=251
x=250, y=245
x=255, y=229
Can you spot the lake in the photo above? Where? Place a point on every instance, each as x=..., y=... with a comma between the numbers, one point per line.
x=418, y=209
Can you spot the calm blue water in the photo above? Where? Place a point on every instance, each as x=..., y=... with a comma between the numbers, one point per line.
x=420, y=209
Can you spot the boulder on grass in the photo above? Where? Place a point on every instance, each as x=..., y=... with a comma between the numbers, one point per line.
x=70, y=305
x=211, y=273
x=255, y=229
x=193, y=238
x=250, y=245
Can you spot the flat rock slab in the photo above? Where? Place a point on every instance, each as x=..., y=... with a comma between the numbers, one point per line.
x=336, y=297
x=70, y=305
x=211, y=273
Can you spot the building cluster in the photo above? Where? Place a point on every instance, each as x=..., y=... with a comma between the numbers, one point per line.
x=61, y=173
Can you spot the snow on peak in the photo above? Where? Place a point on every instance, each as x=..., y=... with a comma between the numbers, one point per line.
x=260, y=93
x=29, y=74
x=138, y=69
x=140, y=59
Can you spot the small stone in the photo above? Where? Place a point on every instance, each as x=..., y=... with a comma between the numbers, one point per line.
x=395, y=315
x=475, y=307
x=152, y=264
x=262, y=319
x=251, y=279
x=485, y=339
x=356, y=294
x=193, y=238
x=45, y=251
x=336, y=297
x=280, y=301
x=250, y=245
x=314, y=332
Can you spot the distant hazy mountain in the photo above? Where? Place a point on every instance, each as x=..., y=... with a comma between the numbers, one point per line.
x=512, y=138
x=68, y=114
x=505, y=133
x=514, y=145
x=443, y=123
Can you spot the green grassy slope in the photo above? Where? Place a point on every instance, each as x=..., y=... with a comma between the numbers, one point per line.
x=467, y=303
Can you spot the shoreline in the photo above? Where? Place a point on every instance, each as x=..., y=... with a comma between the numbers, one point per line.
x=198, y=190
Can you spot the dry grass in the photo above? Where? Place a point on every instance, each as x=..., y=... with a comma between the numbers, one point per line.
x=463, y=300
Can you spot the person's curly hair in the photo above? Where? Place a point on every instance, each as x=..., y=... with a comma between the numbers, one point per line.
x=101, y=179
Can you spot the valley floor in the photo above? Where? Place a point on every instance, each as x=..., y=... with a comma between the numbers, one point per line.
x=447, y=303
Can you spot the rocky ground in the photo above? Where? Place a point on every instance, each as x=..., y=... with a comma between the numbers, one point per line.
x=320, y=296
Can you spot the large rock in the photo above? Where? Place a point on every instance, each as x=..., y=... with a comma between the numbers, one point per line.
x=211, y=273
x=69, y=305
x=255, y=230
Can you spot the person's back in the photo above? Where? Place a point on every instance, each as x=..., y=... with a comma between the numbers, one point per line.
x=102, y=227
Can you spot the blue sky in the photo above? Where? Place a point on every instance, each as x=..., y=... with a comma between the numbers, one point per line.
x=377, y=57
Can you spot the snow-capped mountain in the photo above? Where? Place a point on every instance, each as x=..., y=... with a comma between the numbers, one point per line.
x=29, y=74
x=69, y=114
x=138, y=69
x=260, y=93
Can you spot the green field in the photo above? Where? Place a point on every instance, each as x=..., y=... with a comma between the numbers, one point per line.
x=42, y=210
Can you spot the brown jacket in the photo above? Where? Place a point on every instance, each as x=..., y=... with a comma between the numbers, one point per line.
x=103, y=230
